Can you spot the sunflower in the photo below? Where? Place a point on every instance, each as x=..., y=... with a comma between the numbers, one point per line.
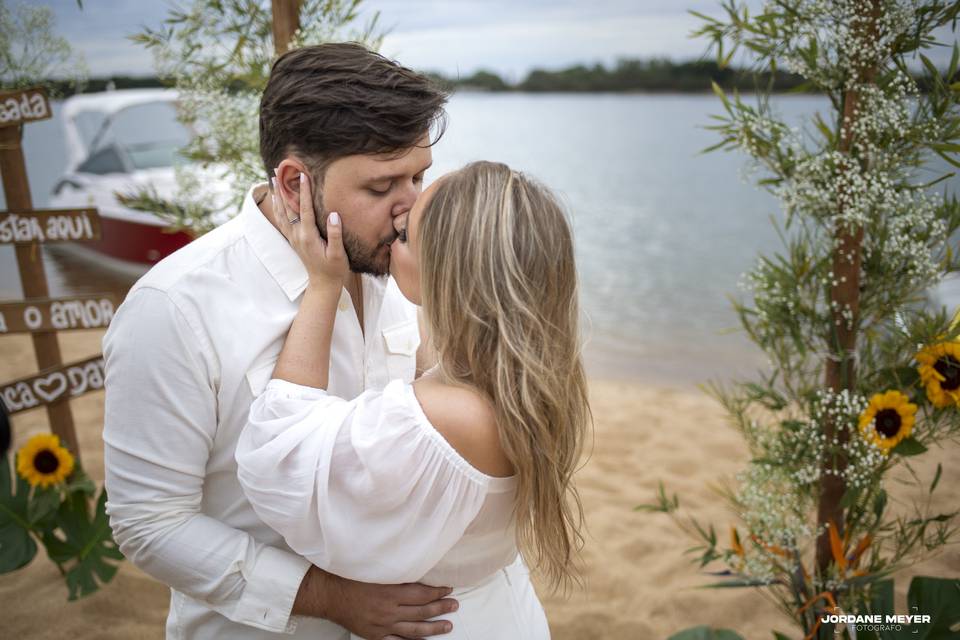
x=43, y=462
x=888, y=419
x=940, y=373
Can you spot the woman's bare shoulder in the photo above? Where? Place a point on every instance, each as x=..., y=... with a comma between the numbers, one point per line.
x=467, y=420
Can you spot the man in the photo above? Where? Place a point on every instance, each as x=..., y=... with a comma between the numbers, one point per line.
x=197, y=337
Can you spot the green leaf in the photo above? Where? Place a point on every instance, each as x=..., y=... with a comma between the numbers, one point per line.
x=86, y=544
x=950, y=160
x=706, y=633
x=938, y=598
x=80, y=481
x=849, y=497
x=735, y=584
x=879, y=503
x=17, y=547
x=936, y=477
x=881, y=598
x=42, y=505
x=720, y=94
x=940, y=517
x=909, y=447
x=948, y=147
x=931, y=68
x=896, y=377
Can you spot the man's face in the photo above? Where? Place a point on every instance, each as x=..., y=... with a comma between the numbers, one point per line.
x=369, y=192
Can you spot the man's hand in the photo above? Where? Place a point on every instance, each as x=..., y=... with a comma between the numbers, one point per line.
x=374, y=611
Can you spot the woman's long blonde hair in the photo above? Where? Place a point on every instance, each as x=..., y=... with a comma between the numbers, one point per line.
x=499, y=292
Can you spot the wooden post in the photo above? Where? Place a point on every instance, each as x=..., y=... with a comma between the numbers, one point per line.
x=33, y=279
x=841, y=371
x=286, y=21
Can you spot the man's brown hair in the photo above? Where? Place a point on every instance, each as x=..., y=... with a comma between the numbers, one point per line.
x=332, y=100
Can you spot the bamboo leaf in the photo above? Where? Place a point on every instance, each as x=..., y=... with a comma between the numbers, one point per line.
x=931, y=68
x=736, y=584
x=948, y=158
x=936, y=477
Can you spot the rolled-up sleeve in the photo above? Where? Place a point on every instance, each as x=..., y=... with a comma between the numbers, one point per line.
x=365, y=489
x=160, y=419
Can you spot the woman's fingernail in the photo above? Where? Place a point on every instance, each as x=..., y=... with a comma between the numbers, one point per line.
x=275, y=169
x=273, y=181
x=303, y=177
x=334, y=218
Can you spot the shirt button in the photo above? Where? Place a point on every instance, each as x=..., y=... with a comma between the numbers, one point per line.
x=342, y=306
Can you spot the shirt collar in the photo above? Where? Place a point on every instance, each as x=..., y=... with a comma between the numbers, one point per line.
x=278, y=257
x=271, y=248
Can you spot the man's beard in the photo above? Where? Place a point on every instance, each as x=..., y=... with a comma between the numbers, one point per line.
x=362, y=259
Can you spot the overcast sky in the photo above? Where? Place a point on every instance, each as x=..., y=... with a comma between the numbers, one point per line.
x=451, y=36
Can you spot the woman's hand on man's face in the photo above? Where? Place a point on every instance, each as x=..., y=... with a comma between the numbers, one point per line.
x=326, y=261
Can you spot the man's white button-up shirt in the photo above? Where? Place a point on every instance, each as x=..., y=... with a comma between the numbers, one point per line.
x=192, y=345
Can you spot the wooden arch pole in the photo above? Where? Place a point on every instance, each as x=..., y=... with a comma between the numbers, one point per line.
x=286, y=21
x=33, y=279
x=847, y=259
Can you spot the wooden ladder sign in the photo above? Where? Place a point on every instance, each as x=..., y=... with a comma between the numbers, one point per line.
x=49, y=225
x=52, y=385
x=92, y=311
x=40, y=315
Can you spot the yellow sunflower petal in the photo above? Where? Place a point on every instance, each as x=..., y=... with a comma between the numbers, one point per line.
x=43, y=462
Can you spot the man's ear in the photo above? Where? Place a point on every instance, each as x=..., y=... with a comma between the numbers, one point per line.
x=288, y=181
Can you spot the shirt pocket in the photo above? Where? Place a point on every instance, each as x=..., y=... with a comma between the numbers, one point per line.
x=259, y=375
x=400, y=344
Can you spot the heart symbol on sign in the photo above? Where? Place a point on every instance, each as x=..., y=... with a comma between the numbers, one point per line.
x=51, y=387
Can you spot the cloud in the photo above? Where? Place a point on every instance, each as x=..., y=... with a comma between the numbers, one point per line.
x=451, y=36
x=513, y=37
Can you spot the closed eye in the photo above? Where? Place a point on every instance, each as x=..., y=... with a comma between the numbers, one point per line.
x=402, y=235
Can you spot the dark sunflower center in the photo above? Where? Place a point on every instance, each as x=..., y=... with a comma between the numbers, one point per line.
x=949, y=368
x=46, y=461
x=888, y=422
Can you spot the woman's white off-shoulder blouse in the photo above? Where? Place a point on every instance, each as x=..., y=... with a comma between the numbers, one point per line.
x=369, y=489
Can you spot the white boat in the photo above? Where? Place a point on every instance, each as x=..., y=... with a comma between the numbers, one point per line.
x=120, y=141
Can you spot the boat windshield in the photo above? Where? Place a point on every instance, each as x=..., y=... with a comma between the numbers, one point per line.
x=149, y=134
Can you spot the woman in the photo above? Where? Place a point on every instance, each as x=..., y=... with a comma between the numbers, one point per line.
x=441, y=481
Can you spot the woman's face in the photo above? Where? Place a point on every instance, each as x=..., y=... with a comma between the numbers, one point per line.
x=404, y=252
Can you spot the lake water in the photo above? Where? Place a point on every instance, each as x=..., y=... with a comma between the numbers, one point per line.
x=663, y=232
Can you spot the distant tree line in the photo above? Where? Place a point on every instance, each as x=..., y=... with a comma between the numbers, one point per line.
x=656, y=75
x=628, y=75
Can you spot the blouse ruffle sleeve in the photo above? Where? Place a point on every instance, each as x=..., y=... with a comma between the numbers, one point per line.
x=365, y=489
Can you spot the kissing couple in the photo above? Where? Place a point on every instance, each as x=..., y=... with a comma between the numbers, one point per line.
x=356, y=408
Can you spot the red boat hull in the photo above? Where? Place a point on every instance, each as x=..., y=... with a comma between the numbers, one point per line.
x=135, y=242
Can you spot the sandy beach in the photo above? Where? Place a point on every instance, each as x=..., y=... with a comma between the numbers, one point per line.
x=639, y=583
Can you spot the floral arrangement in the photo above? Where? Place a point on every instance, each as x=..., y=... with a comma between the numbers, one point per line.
x=45, y=496
x=864, y=371
x=46, y=501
